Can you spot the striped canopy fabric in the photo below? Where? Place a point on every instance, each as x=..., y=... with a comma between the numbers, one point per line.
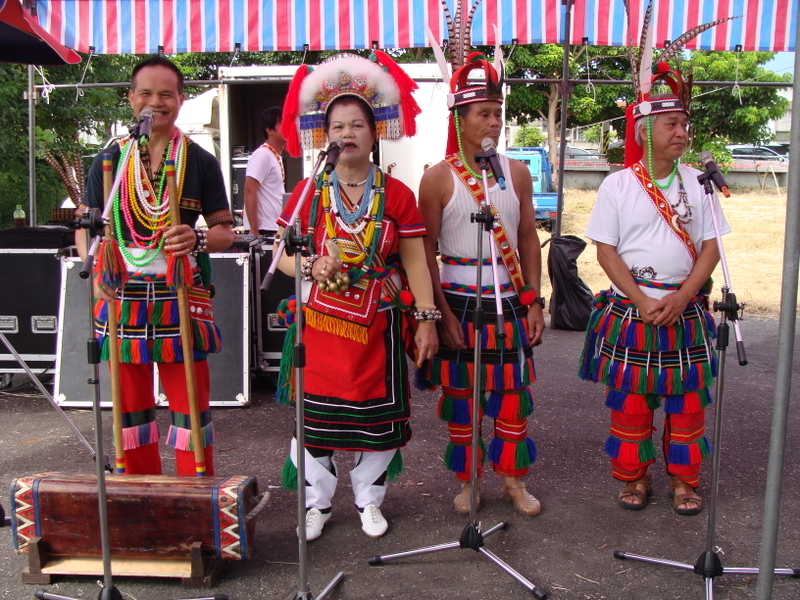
x=142, y=26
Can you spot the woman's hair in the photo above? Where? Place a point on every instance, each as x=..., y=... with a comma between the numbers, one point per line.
x=347, y=100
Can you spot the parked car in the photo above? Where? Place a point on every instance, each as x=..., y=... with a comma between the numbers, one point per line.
x=747, y=153
x=581, y=154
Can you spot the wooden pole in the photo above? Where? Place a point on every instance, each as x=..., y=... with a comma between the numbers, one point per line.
x=187, y=340
x=113, y=338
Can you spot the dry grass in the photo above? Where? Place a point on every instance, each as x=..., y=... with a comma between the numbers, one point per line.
x=754, y=249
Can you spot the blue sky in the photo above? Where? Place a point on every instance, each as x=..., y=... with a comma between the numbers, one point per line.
x=782, y=63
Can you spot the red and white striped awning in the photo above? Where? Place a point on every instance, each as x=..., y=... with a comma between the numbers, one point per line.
x=141, y=26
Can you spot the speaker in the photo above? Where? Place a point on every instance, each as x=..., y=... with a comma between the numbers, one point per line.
x=229, y=369
x=29, y=308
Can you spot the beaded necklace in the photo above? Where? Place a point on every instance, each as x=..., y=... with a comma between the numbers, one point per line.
x=372, y=225
x=346, y=217
x=138, y=202
x=463, y=156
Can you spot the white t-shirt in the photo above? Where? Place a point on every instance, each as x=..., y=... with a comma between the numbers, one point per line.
x=625, y=217
x=264, y=167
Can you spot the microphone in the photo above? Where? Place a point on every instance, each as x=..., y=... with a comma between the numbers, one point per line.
x=490, y=152
x=333, y=151
x=145, y=126
x=713, y=171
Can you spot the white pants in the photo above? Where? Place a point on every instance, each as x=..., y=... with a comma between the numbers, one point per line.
x=321, y=478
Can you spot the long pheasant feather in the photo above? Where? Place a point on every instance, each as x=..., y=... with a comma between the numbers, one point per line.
x=675, y=46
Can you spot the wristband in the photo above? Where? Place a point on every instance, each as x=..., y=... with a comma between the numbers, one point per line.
x=201, y=243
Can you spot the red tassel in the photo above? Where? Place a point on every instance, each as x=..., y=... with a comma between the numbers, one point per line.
x=408, y=106
x=291, y=112
x=179, y=272
x=110, y=268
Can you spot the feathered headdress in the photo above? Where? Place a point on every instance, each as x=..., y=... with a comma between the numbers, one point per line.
x=378, y=81
x=645, y=74
x=463, y=89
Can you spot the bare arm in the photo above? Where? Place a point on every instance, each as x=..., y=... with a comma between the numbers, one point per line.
x=251, y=187
x=530, y=250
x=435, y=190
x=412, y=255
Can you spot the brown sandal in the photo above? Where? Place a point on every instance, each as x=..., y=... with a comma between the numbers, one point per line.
x=681, y=493
x=633, y=490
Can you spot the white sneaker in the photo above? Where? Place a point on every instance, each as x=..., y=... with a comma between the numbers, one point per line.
x=372, y=521
x=315, y=521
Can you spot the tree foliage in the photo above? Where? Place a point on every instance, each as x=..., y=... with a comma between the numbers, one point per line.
x=528, y=135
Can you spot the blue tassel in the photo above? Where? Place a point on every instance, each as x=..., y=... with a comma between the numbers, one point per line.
x=461, y=413
x=678, y=454
x=661, y=383
x=612, y=446
x=495, y=450
x=706, y=398
x=532, y=450
x=674, y=405
x=420, y=382
x=692, y=379
x=615, y=400
x=494, y=404
x=663, y=339
x=457, y=458
x=613, y=373
x=455, y=375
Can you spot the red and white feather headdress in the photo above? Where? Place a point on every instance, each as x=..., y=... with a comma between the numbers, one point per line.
x=377, y=80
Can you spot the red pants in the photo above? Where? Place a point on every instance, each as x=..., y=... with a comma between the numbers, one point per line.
x=140, y=432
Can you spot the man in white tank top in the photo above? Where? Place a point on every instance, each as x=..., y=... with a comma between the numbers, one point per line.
x=449, y=195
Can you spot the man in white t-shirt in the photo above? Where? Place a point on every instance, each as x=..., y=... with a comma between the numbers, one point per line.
x=649, y=340
x=264, y=185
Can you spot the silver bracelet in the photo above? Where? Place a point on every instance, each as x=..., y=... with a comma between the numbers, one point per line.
x=201, y=243
x=308, y=265
x=428, y=315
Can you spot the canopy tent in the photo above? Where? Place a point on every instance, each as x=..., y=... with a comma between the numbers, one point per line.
x=23, y=40
x=146, y=26
x=142, y=26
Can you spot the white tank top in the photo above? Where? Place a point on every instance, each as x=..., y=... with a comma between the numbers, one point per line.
x=458, y=235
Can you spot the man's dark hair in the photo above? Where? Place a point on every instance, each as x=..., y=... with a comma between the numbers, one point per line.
x=269, y=119
x=157, y=60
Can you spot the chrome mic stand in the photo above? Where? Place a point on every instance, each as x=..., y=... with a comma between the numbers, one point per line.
x=472, y=538
x=293, y=243
x=709, y=564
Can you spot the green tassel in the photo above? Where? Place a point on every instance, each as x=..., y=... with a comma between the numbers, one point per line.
x=396, y=466
x=653, y=401
x=125, y=353
x=522, y=458
x=204, y=264
x=284, y=393
x=647, y=451
x=104, y=348
x=289, y=475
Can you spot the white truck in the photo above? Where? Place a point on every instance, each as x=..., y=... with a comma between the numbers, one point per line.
x=245, y=91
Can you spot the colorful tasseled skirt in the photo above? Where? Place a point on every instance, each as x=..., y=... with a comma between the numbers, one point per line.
x=625, y=354
x=149, y=322
x=643, y=366
x=506, y=373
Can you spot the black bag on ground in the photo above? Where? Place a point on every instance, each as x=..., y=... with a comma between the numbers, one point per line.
x=571, y=301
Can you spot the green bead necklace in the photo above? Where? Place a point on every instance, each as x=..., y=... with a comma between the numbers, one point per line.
x=650, y=160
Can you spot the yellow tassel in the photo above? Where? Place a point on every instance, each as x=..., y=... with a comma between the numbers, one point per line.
x=339, y=327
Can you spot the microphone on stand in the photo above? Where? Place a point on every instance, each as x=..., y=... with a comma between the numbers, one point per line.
x=713, y=171
x=145, y=126
x=490, y=151
x=333, y=151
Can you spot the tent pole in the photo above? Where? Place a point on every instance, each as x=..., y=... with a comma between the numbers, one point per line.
x=31, y=147
x=786, y=334
x=565, y=91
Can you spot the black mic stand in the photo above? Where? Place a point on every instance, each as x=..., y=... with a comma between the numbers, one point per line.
x=472, y=538
x=297, y=245
x=95, y=225
x=709, y=564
